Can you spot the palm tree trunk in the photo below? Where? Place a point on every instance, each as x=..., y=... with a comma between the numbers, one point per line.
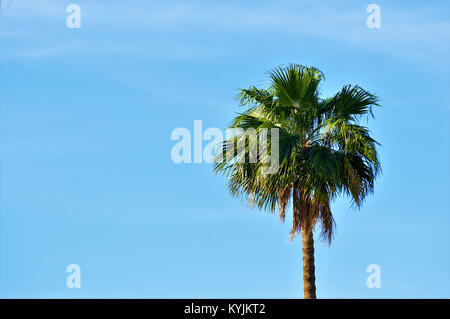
x=309, y=277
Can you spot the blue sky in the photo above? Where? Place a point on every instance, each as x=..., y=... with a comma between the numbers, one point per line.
x=85, y=170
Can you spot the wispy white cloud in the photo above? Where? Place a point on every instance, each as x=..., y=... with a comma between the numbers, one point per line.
x=406, y=32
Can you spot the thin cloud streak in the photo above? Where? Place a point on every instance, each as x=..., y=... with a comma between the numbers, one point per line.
x=405, y=33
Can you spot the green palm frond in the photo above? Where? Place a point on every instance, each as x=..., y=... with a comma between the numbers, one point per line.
x=323, y=151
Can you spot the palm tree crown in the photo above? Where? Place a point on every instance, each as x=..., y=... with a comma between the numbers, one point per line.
x=324, y=150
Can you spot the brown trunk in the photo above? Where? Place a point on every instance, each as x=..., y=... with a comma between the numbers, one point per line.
x=309, y=278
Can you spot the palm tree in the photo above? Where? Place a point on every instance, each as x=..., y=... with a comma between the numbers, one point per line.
x=323, y=152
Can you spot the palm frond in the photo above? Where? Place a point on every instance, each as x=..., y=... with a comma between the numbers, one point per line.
x=323, y=151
